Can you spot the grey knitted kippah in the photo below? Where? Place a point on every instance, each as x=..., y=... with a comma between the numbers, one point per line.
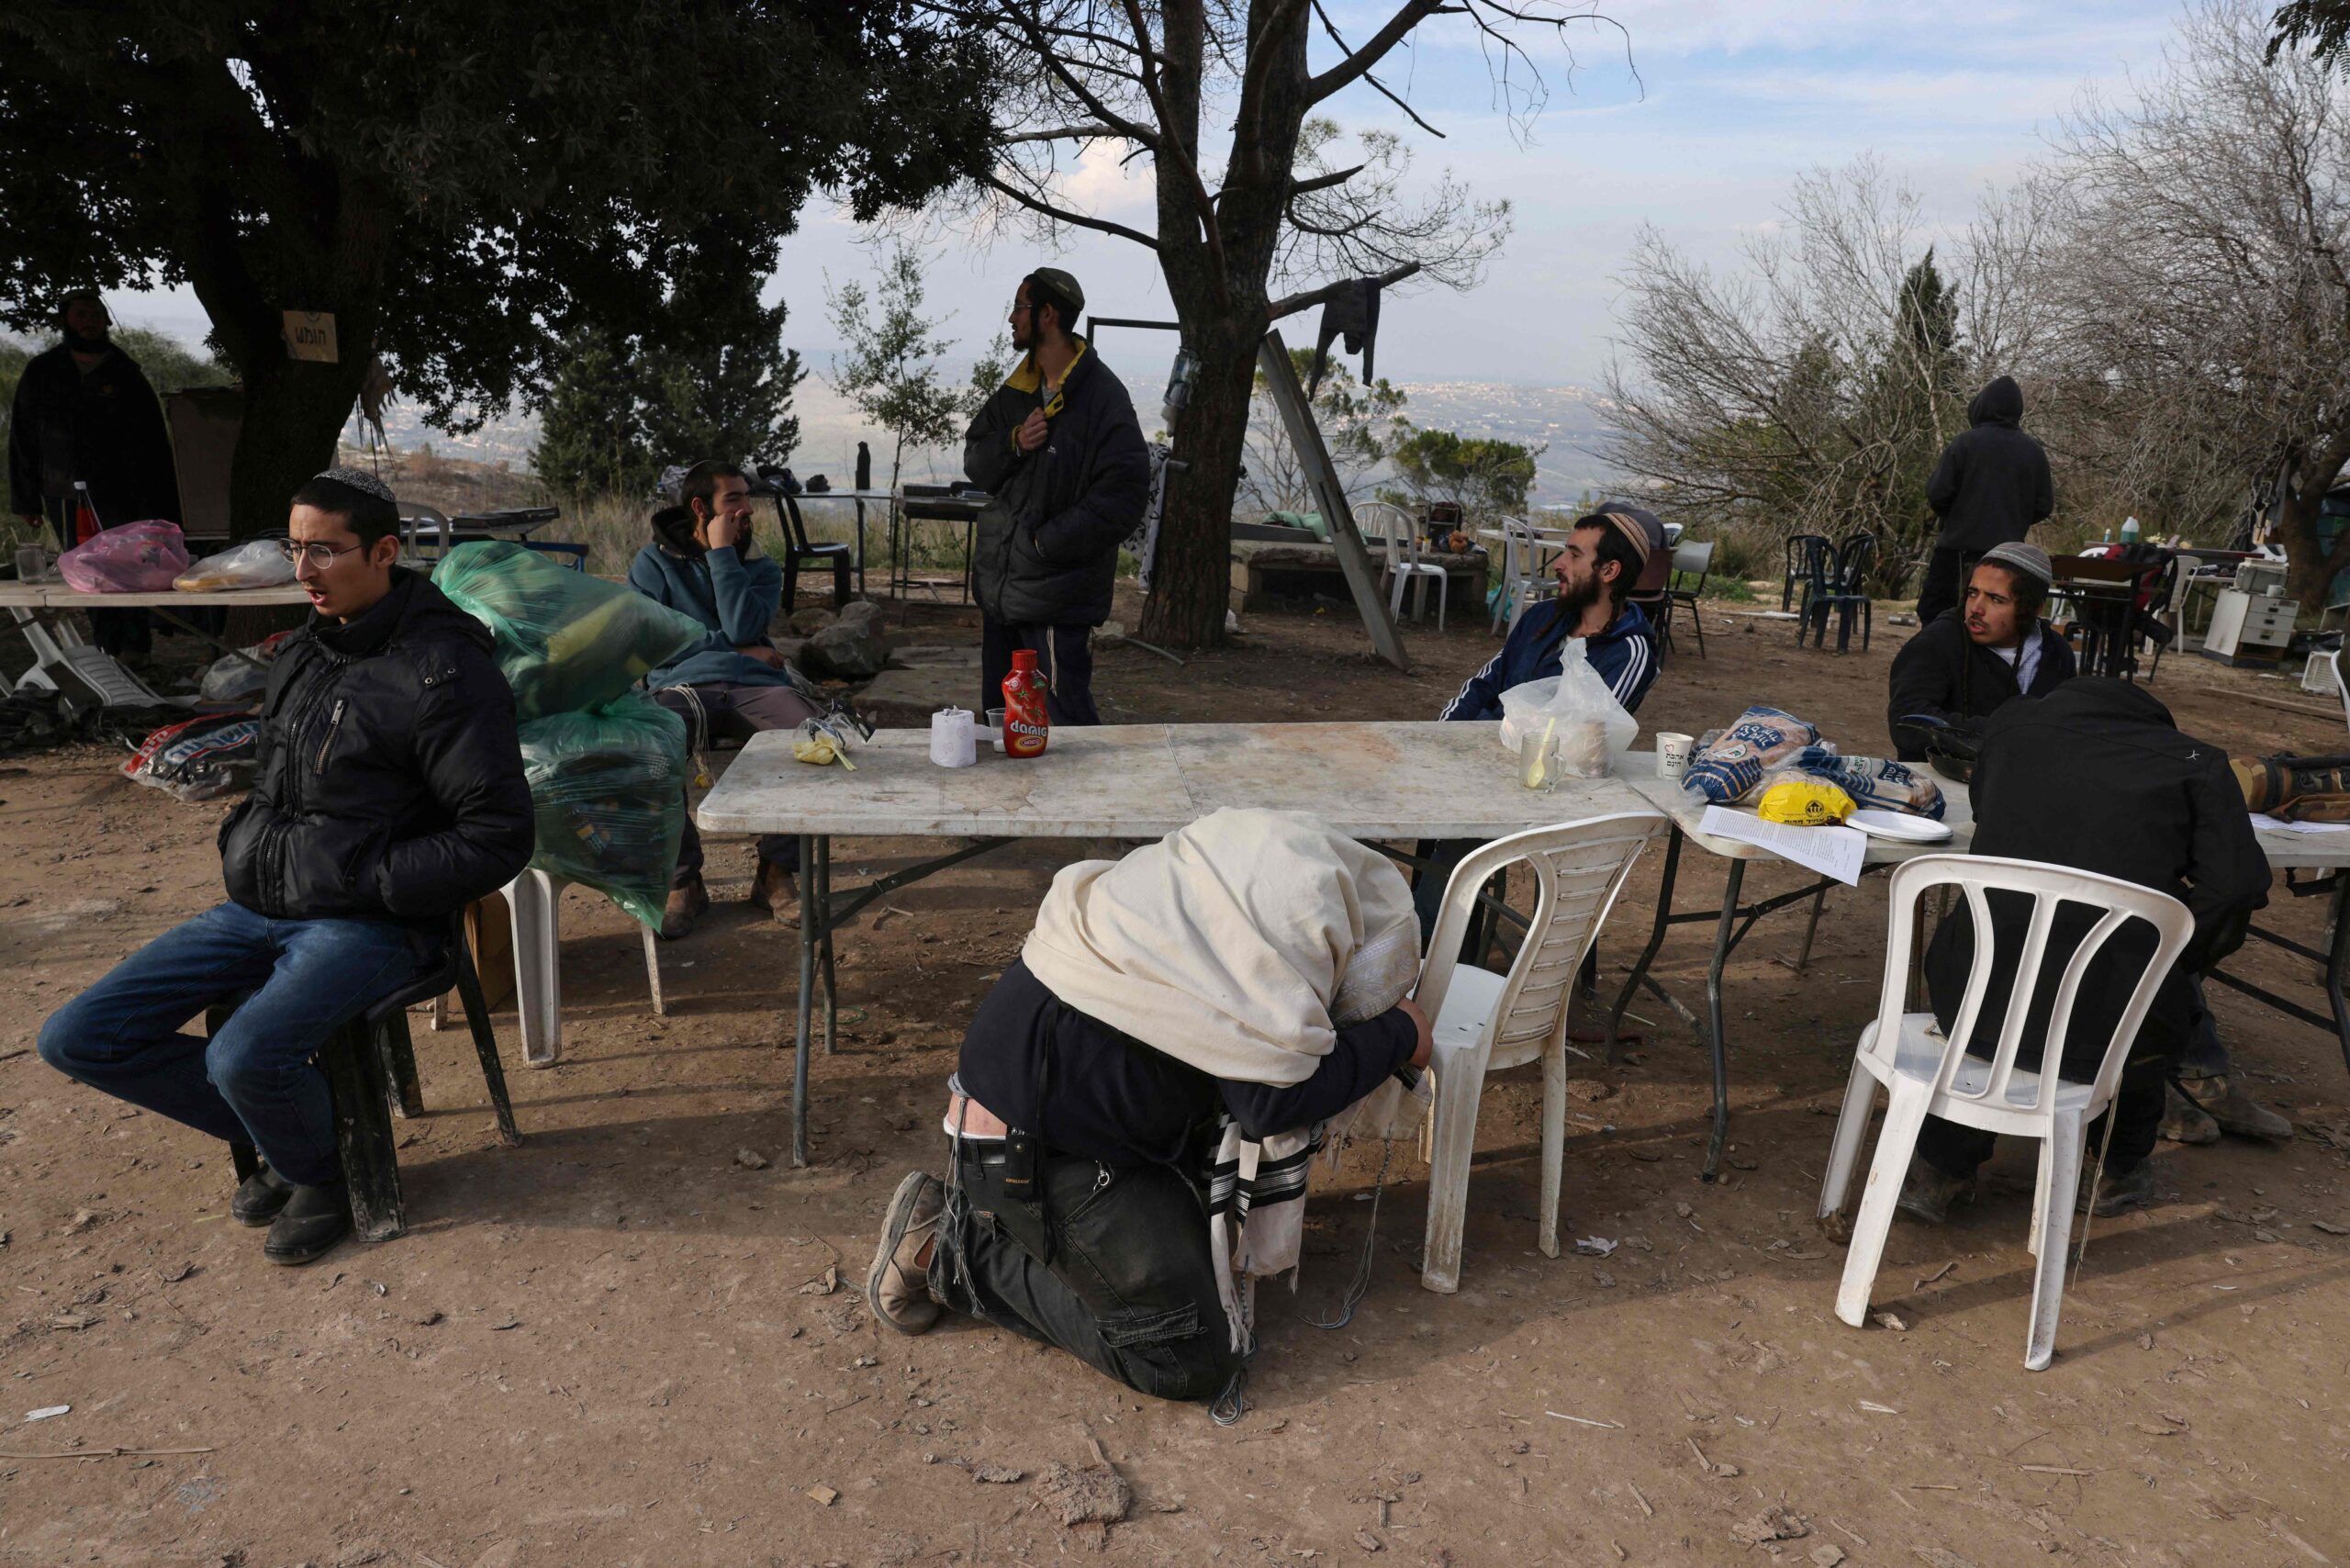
x=359, y=479
x=2021, y=557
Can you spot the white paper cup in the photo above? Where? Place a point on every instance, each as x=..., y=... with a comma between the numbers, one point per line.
x=995, y=728
x=1672, y=753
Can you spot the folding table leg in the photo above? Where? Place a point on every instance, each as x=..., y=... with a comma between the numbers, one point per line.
x=1715, y=1037
x=2338, y=961
x=1656, y=941
x=824, y=928
x=809, y=941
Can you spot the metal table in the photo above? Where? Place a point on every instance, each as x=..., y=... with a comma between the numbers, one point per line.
x=23, y=598
x=1372, y=781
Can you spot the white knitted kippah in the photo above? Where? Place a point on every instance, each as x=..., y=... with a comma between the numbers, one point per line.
x=361, y=481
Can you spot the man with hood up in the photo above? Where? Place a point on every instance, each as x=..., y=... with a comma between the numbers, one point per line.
x=1991, y=487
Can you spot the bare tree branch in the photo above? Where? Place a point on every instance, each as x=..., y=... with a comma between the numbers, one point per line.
x=1396, y=28
x=1063, y=215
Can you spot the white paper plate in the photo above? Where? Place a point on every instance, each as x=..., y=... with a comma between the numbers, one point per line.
x=1900, y=825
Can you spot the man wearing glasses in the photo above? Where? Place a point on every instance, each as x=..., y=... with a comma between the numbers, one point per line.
x=1059, y=450
x=389, y=795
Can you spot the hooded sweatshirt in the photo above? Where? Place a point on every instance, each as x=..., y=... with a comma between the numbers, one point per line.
x=1992, y=483
x=733, y=593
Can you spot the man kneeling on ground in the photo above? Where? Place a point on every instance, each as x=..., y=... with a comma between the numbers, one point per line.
x=702, y=560
x=1970, y=662
x=2094, y=776
x=1251, y=968
x=389, y=795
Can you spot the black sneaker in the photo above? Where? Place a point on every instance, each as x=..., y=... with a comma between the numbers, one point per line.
x=313, y=1220
x=2124, y=1188
x=1927, y=1193
x=259, y=1197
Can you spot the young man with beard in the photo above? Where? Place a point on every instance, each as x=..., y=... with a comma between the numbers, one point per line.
x=1059, y=452
x=389, y=795
x=1969, y=663
x=84, y=411
x=1599, y=566
x=702, y=560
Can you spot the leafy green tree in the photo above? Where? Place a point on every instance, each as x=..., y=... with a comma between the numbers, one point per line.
x=1482, y=474
x=892, y=367
x=706, y=377
x=463, y=184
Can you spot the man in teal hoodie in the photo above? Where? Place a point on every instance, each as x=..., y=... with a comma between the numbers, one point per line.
x=730, y=684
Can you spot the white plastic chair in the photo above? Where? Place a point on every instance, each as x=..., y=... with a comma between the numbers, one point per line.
x=1485, y=1022
x=535, y=898
x=1524, y=582
x=2334, y=655
x=1929, y=1074
x=1401, y=536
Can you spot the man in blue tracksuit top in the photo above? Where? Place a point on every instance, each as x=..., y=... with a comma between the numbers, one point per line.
x=1601, y=560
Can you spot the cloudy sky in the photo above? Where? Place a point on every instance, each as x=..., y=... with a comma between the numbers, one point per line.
x=1721, y=102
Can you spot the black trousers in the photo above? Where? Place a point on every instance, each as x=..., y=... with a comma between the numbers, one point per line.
x=1064, y=658
x=2137, y=1114
x=1945, y=582
x=1117, y=1270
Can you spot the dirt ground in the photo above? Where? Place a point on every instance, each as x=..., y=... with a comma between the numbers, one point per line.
x=625, y=1343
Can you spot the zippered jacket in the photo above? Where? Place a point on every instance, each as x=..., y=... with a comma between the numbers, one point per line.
x=390, y=782
x=1048, y=537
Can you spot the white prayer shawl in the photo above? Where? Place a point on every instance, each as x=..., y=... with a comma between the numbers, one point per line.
x=1239, y=945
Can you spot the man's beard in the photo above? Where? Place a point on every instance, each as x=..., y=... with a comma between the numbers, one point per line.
x=1576, y=597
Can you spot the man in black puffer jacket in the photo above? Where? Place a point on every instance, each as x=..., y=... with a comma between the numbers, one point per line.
x=389, y=795
x=1991, y=487
x=1971, y=662
x=1059, y=450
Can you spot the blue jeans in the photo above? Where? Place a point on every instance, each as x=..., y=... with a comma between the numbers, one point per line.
x=253, y=1082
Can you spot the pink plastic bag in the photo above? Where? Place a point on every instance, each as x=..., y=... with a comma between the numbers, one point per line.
x=137, y=558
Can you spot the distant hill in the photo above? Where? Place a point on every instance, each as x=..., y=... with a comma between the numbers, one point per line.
x=1572, y=420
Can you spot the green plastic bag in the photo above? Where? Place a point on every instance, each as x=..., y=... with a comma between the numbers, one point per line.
x=566, y=642
x=608, y=792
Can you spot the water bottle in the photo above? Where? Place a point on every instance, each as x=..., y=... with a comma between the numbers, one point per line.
x=2129, y=531
x=864, y=466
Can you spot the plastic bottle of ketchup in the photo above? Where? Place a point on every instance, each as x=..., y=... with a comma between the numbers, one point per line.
x=1026, y=725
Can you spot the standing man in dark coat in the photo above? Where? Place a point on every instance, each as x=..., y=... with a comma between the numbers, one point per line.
x=1991, y=487
x=84, y=411
x=2097, y=776
x=389, y=795
x=1060, y=453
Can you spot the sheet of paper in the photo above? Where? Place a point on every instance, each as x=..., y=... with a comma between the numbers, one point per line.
x=1835, y=852
x=2263, y=822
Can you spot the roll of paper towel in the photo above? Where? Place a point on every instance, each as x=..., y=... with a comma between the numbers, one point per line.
x=954, y=740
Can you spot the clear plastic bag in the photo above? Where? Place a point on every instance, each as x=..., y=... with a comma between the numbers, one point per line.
x=608, y=792
x=1593, y=730
x=137, y=558
x=566, y=642
x=1730, y=764
x=1874, y=783
x=255, y=564
x=243, y=675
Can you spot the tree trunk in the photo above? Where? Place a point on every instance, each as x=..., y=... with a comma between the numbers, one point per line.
x=294, y=411
x=1191, y=585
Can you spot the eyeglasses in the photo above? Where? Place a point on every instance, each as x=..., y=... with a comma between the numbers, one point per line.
x=320, y=555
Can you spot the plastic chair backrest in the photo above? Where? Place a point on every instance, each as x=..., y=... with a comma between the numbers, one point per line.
x=2334, y=655
x=2048, y=887
x=1694, y=560
x=1392, y=526
x=1853, y=564
x=1579, y=868
x=790, y=507
x=1519, y=553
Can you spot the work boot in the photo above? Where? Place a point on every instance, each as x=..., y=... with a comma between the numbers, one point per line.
x=774, y=890
x=2124, y=1188
x=1927, y=1193
x=2186, y=1122
x=899, y=1284
x=313, y=1220
x=259, y=1198
x=686, y=905
x=2224, y=1100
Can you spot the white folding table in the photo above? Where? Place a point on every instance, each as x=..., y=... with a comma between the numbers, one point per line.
x=1375, y=782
